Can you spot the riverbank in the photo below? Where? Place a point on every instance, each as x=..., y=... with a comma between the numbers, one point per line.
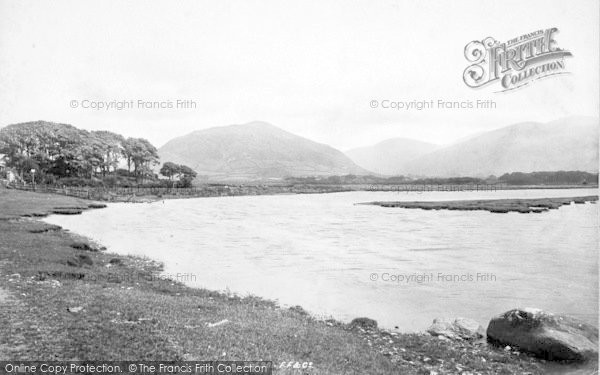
x=531, y=205
x=150, y=194
x=64, y=298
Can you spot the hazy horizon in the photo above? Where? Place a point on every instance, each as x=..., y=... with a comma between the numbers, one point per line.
x=463, y=138
x=309, y=68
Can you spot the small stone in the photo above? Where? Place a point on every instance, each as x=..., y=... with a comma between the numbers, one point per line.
x=459, y=328
x=221, y=322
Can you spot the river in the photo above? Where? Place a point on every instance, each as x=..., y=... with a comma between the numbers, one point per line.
x=402, y=267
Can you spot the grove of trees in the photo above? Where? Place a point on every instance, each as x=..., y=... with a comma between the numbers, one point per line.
x=61, y=151
x=183, y=173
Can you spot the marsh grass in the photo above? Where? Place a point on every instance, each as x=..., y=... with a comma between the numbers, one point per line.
x=533, y=205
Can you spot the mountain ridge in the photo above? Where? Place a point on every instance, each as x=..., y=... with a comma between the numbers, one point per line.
x=255, y=150
x=569, y=143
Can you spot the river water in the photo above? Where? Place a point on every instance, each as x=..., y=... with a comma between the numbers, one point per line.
x=402, y=267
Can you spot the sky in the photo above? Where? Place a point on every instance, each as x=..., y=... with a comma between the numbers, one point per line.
x=310, y=67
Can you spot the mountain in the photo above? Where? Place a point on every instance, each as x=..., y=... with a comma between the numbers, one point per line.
x=390, y=157
x=568, y=144
x=255, y=150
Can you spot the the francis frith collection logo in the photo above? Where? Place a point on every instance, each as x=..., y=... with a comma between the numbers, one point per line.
x=515, y=63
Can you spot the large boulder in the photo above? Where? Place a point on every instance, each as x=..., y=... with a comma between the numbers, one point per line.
x=459, y=328
x=545, y=335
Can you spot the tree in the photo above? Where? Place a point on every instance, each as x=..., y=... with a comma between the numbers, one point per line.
x=170, y=170
x=112, y=146
x=187, y=176
x=141, y=153
x=183, y=173
x=43, y=142
x=127, y=152
x=62, y=150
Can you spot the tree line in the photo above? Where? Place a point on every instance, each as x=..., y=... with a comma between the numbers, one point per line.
x=60, y=151
x=550, y=178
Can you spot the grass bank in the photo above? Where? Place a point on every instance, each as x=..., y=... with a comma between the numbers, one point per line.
x=62, y=298
x=530, y=205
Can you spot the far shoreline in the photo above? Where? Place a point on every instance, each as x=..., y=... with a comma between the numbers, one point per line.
x=149, y=194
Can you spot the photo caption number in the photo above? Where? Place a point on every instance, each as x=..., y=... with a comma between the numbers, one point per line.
x=295, y=365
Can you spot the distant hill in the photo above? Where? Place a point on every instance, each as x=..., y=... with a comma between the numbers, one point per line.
x=569, y=144
x=390, y=157
x=255, y=150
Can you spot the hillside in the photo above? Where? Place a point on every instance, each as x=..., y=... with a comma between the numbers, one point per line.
x=390, y=157
x=255, y=150
x=569, y=144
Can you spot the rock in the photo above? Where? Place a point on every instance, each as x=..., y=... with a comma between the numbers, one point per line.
x=84, y=246
x=66, y=211
x=457, y=329
x=85, y=259
x=51, y=283
x=43, y=275
x=546, y=335
x=80, y=260
x=299, y=310
x=96, y=205
x=364, y=323
x=45, y=228
x=221, y=322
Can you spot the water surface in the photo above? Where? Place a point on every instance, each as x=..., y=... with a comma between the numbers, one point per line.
x=321, y=251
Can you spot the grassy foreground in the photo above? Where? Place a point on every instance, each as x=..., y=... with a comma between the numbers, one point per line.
x=61, y=298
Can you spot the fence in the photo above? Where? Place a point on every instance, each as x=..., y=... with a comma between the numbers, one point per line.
x=125, y=194
x=134, y=193
x=436, y=187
